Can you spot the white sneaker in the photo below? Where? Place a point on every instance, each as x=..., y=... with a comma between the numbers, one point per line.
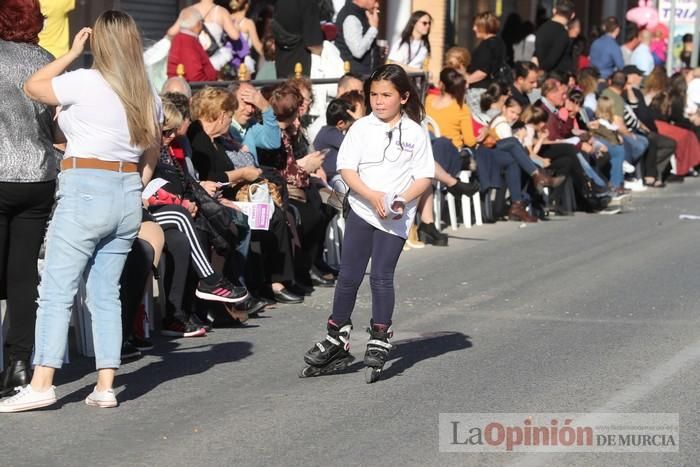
x=636, y=185
x=628, y=168
x=28, y=399
x=102, y=399
x=610, y=211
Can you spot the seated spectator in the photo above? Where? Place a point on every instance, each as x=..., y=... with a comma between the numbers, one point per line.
x=525, y=74
x=339, y=119
x=687, y=146
x=245, y=128
x=587, y=81
x=449, y=111
x=211, y=110
x=142, y=259
x=606, y=131
x=186, y=50
x=412, y=48
x=173, y=207
x=348, y=82
x=297, y=167
x=507, y=113
x=558, y=148
x=636, y=145
x=178, y=85
x=664, y=147
x=657, y=82
x=678, y=93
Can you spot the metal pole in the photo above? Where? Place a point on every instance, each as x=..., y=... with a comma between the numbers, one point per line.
x=671, y=36
x=696, y=37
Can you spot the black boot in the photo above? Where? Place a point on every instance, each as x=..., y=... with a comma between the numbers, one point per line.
x=461, y=188
x=428, y=233
x=17, y=373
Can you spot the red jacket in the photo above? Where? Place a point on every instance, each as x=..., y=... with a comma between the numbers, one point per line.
x=186, y=50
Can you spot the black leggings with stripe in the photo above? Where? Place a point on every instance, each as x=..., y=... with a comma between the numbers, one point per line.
x=172, y=216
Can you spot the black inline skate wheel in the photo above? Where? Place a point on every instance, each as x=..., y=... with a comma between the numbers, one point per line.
x=337, y=365
x=372, y=374
x=309, y=371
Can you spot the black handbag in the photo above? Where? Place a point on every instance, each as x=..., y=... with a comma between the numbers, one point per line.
x=225, y=226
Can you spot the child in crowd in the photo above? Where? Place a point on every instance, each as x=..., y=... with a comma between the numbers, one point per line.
x=338, y=121
x=387, y=162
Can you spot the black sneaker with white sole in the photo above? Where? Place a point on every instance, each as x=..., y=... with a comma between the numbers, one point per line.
x=222, y=291
x=129, y=352
x=176, y=328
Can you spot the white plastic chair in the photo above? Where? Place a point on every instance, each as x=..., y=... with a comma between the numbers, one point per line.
x=464, y=176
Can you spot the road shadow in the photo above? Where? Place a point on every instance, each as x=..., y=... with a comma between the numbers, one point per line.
x=173, y=364
x=408, y=352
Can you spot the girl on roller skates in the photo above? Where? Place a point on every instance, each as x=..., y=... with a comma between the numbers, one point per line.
x=387, y=162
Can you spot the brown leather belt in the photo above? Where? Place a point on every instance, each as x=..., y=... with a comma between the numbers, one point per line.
x=84, y=163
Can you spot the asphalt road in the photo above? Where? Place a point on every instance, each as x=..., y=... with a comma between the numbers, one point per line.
x=579, y=314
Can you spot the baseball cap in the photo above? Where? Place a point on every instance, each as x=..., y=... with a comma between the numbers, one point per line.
x=632, y=70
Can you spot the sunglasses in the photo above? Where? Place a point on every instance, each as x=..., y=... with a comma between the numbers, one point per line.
x=169, y=132
x=425, y=23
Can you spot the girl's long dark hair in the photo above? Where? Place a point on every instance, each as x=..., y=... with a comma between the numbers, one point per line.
x=455, y=84
x=407, y=33
x=398, y=77
x=493, y=93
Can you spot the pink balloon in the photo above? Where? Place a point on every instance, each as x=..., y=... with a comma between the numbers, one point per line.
x=645, y=15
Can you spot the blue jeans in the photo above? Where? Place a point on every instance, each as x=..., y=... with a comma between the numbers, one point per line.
x=97, y=217
x=513, y=147
x=635, y=147
x=617, y=156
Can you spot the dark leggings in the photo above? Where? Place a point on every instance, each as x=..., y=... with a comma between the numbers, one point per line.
x=361, y=242
x=312, y=233
x=177, y=265
x=661, y=148
x=174, y=216
x=137, y=271
x=24, y=210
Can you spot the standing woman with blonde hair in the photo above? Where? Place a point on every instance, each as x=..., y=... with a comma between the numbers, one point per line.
x=110, y=118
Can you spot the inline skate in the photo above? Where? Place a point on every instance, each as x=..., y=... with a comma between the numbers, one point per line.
x=331, y=354
x=378, y=348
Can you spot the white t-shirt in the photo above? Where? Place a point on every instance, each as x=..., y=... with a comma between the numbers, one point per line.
x=93, y=118
x=408, y=157
x=401, y=54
